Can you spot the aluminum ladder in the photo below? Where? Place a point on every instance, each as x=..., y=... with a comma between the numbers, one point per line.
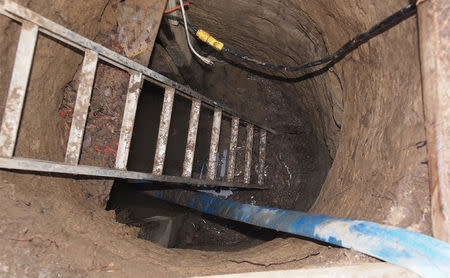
x=32, y=24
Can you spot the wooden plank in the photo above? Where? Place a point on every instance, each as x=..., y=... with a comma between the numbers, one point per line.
x=365, y=270
x=137, y=26
x=434, y=38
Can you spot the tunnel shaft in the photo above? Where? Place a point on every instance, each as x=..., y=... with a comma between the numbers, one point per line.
x=352, y=140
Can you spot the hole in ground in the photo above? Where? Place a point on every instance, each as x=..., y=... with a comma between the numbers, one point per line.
x=294, y=171
x=379, y=174
x=175, y=226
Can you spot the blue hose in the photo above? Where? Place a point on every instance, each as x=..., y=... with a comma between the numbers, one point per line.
x=422, y=254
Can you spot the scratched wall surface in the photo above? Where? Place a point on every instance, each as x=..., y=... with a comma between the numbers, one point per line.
x=367, y=109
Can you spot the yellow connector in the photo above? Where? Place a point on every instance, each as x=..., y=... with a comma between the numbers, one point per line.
x=207, y=38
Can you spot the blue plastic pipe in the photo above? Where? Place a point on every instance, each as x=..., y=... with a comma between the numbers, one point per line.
x=422, y=254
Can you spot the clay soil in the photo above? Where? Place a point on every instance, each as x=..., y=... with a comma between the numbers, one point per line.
x=366, y=161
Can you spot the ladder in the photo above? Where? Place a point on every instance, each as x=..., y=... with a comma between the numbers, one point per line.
x=32, y=24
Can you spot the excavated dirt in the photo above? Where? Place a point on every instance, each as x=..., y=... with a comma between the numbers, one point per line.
x=364, y=116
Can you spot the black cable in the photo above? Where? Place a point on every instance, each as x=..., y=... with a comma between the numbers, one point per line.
x=346, y=48
x=336, y=56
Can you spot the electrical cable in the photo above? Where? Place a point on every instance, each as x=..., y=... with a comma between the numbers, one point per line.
x=351, y=45
x=175, y=8
x=204, y=59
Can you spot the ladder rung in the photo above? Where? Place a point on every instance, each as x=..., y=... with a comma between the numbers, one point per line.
x=17, y=89
x=81, y=109
x=248, y=154
x=262, y=156
x=215, y=135
x=129, y=115
x=163, y=133
x=191, y=138
x=231, y=164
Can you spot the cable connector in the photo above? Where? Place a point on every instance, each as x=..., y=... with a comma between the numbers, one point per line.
x=204, y=59
x=207, y=38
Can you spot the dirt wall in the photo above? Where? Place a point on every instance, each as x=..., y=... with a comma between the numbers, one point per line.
x=367, y=111
x=367, y=108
